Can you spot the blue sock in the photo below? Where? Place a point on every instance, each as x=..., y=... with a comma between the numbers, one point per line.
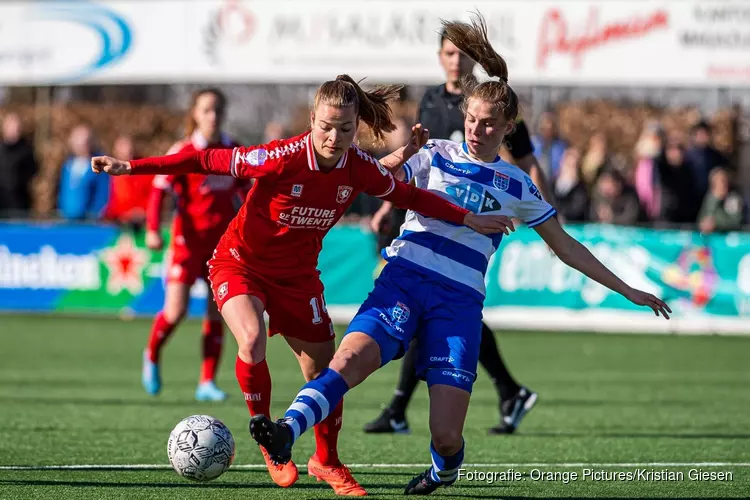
x=315, y=401
x=445, y=469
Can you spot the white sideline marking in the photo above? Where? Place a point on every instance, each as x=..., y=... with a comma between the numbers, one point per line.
x=381, y=466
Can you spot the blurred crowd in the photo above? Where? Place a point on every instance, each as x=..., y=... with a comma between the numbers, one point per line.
x=605, y=163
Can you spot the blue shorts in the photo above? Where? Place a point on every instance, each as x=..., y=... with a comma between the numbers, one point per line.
x=408, y=304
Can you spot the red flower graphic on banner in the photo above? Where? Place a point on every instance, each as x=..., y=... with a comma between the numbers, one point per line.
x=125, y=263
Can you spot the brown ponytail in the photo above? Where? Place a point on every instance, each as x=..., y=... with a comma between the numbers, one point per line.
x=221, y=99
x=372, y=107
x=472, y=39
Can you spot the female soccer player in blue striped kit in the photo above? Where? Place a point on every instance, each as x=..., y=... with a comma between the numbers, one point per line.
x=432, y=287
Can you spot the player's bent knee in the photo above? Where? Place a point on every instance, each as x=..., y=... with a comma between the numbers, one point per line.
x=355, y=364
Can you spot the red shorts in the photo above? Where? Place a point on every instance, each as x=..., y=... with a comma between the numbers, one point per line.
x=187, y=265
x=295, y=305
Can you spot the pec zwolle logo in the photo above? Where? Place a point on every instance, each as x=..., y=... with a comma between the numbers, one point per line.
x=400, y=313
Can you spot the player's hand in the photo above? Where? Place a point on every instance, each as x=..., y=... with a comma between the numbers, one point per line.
x=419, y=137
x=109, y=165
x=154, y=241
x=641, y=298
x=489, y=224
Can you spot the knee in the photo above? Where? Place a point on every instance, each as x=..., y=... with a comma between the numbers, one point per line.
x=355, y=365
x=447, y=442
x=251, y=343
x=174, y=312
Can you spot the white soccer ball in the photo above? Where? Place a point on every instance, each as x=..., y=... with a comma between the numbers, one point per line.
x=200, y=448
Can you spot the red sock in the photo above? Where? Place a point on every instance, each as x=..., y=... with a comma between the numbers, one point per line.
x=213, y=337
x=161, y=329
x=255, y=382
x=327, y=437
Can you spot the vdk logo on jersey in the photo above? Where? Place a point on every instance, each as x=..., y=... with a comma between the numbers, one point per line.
x=400, y=313
x=344, y=193
x=474, y=197
x=297, y=190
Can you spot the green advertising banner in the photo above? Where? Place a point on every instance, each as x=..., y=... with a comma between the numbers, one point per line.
x=693, y=272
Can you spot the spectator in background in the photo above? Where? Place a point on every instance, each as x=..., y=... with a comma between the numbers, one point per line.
x=572, y=196
x=647, y=150
x=722, y=208
x=129, y=194
x=677, y=191
x=613, y=201
x=595, y=158
x=17, y=168
x=701, y=157
x=548, y=147
x=82, y=193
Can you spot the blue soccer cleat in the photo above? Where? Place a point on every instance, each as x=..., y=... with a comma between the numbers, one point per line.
x=150, y=377
x=207, y=391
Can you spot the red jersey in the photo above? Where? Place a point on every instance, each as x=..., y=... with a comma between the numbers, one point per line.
x=293, y=204
x=205, y=202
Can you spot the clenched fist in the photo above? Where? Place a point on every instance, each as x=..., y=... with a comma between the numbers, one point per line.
x=109, y=165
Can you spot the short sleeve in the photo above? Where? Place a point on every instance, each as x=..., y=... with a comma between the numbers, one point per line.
x=532, y=209
x=373, y=177
x=418, y=163
x=254, y=162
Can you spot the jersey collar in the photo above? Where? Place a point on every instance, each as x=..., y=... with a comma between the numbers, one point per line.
x=466, y=150
x=312, y=162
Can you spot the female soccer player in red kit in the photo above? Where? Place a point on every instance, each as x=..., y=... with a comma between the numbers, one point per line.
x=266, y=261
x=204, y=210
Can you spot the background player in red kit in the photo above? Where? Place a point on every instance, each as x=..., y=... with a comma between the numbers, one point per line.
x=267, y=259
x=205, y=207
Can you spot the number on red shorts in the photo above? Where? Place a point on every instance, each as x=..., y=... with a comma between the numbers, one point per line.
x=317, y=319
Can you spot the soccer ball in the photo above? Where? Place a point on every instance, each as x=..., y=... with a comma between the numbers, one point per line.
x=200, y=448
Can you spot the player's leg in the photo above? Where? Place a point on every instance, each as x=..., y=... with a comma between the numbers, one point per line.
x=515, y=400
x=393, y=418
x=448, y=408
x=211, y=345
x=313, y=358
x=177, y=296
x=447, y=357
x=241, y=300
x=369, y=343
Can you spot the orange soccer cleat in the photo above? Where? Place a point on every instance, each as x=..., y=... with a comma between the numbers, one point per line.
x=283, y=475
x=339, y=477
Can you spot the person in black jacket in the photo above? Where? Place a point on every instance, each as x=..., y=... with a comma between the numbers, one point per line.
x=440, y=113
x=17, y=168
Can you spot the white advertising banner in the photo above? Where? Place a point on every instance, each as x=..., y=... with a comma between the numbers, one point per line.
x=574, y=42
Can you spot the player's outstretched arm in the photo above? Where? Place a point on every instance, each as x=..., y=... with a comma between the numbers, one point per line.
x=394, y=161
x=577, y=256
x=426, y=203
x=215, y=161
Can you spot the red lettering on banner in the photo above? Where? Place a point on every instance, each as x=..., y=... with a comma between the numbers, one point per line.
x=556, y=38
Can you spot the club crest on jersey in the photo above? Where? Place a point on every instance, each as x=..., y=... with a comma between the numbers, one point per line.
x=297, y=190
x=532, y=188
x=256, y=157
x=344, y=193
x=400, y=313
x=501, y=181
x=222, y=291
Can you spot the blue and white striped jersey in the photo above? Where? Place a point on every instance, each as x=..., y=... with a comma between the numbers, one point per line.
x=457, y=254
